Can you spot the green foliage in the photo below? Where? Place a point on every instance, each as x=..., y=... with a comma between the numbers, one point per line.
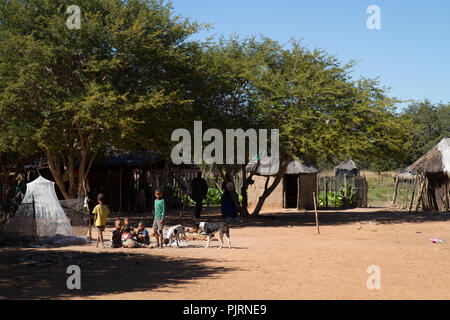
x=119, y=80
x=213, y=197
x=337, y=199
x=430, y=124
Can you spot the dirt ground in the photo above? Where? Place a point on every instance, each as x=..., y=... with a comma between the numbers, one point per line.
x=277, y=256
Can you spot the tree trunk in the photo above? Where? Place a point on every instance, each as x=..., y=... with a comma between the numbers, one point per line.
x=244, y=187
x=71, y=173
x=241, y=209
x=55, y=169
x=268, y=190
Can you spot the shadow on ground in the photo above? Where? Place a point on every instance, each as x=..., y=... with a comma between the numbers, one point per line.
x=326, y=218
x=33, y=274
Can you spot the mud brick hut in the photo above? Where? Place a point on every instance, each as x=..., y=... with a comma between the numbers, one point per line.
x=433, y=171
x=347, y=169
x=294, y=191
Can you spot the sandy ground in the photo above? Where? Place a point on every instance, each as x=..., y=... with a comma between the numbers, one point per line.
x=278, y=256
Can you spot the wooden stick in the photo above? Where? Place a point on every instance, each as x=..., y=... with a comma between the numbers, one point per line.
x=89, y=212
x=34, y=217
x=395, y=191
x=422, y=185
x=120, y=188
x=413, y=193
x=315, y=213
x=447, y=202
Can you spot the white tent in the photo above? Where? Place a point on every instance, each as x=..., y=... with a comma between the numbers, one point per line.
x=40, y=212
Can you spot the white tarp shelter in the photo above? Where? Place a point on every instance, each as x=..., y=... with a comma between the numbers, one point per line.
x=40, y=210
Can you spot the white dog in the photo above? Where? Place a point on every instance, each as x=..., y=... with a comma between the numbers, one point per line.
x=174, y=233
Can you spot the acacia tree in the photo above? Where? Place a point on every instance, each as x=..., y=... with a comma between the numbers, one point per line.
x=81, y=89
x=430, y=123
x=321, y=113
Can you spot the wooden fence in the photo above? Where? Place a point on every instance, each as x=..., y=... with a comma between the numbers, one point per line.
x=338, y=192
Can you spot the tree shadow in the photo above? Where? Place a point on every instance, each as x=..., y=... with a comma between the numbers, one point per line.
x=33, y=274
x=306, y=218
x=326, y=218
x=340, y=217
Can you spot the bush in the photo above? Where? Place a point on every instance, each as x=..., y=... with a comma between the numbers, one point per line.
x=336, y=199
x=213, y=197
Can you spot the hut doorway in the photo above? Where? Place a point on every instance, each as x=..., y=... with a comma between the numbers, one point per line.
x=291, y=190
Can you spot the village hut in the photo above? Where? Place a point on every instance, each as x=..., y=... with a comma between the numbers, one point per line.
x=433, y=171
x=405, y=175
x=403, y=179
x=294, y=191
x=347, y=169
x=128, y=179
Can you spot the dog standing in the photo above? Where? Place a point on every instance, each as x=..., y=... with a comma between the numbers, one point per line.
x=174, y=233
x=211, y=227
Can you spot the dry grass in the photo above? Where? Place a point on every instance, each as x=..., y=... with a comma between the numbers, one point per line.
x=381, y=186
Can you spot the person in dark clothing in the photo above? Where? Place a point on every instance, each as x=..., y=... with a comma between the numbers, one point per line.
x=229, y=210
x=116, y=236
x=199, y=189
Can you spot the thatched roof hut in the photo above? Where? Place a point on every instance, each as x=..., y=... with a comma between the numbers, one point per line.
x=405, y=175
x=434, y=170
x=295, y=191
x=435, y=161
x=266, y=167
x=347, y=168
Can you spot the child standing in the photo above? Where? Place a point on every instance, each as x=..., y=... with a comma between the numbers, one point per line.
x=101, y=211
x=158, y=221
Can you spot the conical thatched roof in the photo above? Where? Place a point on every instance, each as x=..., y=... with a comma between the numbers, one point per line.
x=267, y=167
x=296, y=167
x=434, y=161
x=347, y=165
x=405, y=175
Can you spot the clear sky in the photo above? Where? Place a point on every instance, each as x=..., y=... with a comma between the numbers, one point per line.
x=410, y=54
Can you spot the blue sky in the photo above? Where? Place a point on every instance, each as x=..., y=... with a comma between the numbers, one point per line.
x=410, y=54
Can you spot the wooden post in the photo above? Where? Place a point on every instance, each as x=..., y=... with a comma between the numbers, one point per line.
x=298, y=193
x=120, y=188
x=395, y=191
x=326, y=192
x=89, y=211
x=422, y=185
x=315, y=213
x=34, y=217
x=345, y=191
x=413, y=193
x=447, y=204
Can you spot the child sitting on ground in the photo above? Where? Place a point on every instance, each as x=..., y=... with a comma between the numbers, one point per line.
x=141, y=234
x=126, y=226
x=129, y=242
x=116, y=237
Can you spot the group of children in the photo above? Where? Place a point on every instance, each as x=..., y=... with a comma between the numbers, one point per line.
x=124, y=235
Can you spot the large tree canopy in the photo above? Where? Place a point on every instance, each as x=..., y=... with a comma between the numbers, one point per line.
x=130, y=76
x=430, y=124
x=115, y=80
x=322, y=114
